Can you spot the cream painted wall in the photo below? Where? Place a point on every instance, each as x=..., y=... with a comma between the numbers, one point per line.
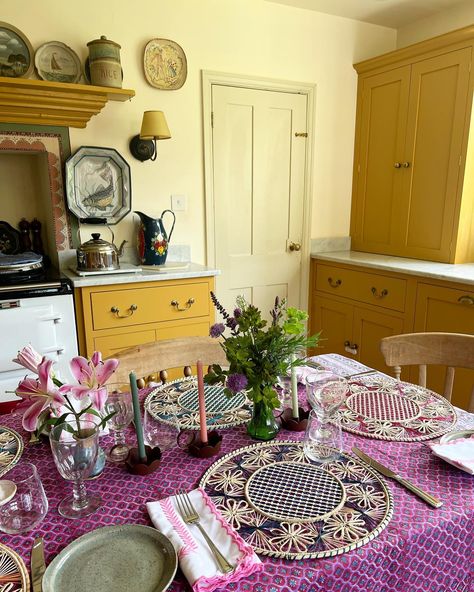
x=250, y=37
x=453, y=18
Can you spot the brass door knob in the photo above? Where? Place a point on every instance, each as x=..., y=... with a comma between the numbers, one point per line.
x=294, y=247
x=405, y=165
x=397, y=165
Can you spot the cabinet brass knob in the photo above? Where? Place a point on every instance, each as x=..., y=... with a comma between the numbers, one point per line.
x=378, y=295
x=469, y=300
x=351, y=348
x=397, y=165
x=130, y=311
x=294, y=247
x=334, y=283
x=187, y=304
x=405, y=165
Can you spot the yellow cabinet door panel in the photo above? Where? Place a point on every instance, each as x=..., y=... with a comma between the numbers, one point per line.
x=187, y=330
x=334, y=320
x=127, y=307
x=382, y=129
x=448, y=310
x=436, y=120
x=111, y=344
x=369, y=328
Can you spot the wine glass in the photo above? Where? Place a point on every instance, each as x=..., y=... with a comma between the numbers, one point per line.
x=160, y=434
x=284, y=392
x=28, y=505
x=119, y=402
x=325, y=392
x=74, y=444
x=322, y=440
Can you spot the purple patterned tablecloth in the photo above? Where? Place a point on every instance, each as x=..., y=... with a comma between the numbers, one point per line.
x=422, y=549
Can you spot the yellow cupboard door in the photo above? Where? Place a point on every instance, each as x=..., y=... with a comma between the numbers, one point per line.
x=448, y=310
x=334, y=320
x=381, y=141
x=369, y=328
x=436, y=120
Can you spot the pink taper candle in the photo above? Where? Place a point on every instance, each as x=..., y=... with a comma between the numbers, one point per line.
x=202, y=403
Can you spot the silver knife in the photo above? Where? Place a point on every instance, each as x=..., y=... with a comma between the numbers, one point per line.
x=426, y=497
x=38, y=565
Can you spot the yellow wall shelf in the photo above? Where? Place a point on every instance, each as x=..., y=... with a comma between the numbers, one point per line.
x=39, y=102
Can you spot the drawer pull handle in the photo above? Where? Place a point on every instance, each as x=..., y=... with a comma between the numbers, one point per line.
x=351, y=348
x=469, y=300
x=187, y=305
x=382, y=294
x=130, y=311
x=334, y=284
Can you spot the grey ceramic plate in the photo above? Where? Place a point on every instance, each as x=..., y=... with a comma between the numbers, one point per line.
x=119, y=558
x=456, y=435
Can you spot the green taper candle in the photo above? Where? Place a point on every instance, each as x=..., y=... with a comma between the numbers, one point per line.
x=137, y=417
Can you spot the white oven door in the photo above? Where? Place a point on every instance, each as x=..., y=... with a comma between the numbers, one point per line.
x=45, y=322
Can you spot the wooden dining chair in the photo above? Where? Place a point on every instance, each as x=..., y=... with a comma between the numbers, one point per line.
x=151, y=361
x=453, y=350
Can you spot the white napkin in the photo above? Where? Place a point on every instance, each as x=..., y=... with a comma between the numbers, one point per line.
x=459, y=452
x=195, y=558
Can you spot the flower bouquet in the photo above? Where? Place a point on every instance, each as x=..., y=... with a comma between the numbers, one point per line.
x=48, y=402
x=258, y=352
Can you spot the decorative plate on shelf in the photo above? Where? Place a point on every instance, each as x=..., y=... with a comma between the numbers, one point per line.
x=9, y=239
x=57, y=62
x=177, y=401
x=262, y=490
x=16, y=53
x=98, y=184
x=165, y=64
x=13, y=573
x=11, y=449
x=380, y=407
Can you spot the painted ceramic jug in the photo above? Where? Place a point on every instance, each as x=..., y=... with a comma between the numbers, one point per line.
x=153, y=240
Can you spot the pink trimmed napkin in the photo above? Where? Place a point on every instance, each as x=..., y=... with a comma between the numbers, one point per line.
x=195, y=558
x=459, y=452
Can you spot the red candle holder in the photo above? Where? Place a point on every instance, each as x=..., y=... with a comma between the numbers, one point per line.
x=288, y=422
x=138, y=466
x=196, y=447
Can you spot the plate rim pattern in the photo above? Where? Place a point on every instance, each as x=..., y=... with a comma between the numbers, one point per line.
x=19, y=451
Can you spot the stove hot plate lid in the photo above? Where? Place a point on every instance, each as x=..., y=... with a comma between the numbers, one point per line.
x=20, y=263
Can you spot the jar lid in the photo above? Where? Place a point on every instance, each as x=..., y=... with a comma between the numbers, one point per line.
x=103, y=39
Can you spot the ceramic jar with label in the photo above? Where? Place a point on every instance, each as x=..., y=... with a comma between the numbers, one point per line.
x=104, y=62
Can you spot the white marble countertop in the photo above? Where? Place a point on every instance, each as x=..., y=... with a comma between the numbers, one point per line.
x=193, y=270
x=462, y=272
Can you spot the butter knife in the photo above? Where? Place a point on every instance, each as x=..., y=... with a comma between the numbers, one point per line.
x=426, y=497
x=38, y=565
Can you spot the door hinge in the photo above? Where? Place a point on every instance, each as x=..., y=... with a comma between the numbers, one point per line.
x=301, y=135
x=212, y=118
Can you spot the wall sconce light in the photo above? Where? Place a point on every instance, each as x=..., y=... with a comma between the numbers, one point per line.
x=154, y=127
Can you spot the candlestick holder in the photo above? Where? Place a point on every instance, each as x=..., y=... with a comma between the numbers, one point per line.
x=138, y=466
x=196, y=447
x=293, y=424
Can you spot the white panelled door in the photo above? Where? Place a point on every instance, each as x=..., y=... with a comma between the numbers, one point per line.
x=259, y=183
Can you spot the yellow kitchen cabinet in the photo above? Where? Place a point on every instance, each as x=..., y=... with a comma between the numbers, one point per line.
x=412, y=189
x=334, y=319
x=440, y=308
x=114, y=317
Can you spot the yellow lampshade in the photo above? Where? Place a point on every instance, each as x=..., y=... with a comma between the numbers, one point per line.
x=154, y=126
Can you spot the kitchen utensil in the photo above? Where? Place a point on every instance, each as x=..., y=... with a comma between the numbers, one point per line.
x=426, y=497
x=153, y=239
x=38, y=565
x=99, y=255
x=126, y=557
x=190, y=516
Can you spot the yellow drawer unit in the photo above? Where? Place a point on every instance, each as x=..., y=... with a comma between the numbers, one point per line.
x=136, y=306
x=371, y=288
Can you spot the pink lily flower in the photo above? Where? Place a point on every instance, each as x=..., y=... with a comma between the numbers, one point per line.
x=29, y=358
x=91, y=376
x=42, y=393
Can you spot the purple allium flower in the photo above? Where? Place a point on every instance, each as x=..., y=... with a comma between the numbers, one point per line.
x=236, y=382
x=237, y=313
x=216, y=330
x=232, y=323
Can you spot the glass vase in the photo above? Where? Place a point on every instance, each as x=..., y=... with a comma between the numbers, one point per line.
x=263, y=425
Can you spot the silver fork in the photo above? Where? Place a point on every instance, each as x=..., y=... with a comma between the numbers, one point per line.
x=190, y=516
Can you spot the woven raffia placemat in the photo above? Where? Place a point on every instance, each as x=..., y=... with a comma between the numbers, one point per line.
x=177, y=401
x=285, y=506
x=380, y=407
x=13, y=573
x=11, y=449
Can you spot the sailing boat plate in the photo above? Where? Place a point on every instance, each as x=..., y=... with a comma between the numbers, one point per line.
x=98, y=184
x=57, y=62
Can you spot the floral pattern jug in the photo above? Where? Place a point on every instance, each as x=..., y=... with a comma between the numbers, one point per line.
x=153, y=240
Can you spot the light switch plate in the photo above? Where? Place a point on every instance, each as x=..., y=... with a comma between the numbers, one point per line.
x=178, y=203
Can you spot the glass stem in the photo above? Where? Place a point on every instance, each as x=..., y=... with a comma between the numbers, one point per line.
x=120, y=438
x=79, y=495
